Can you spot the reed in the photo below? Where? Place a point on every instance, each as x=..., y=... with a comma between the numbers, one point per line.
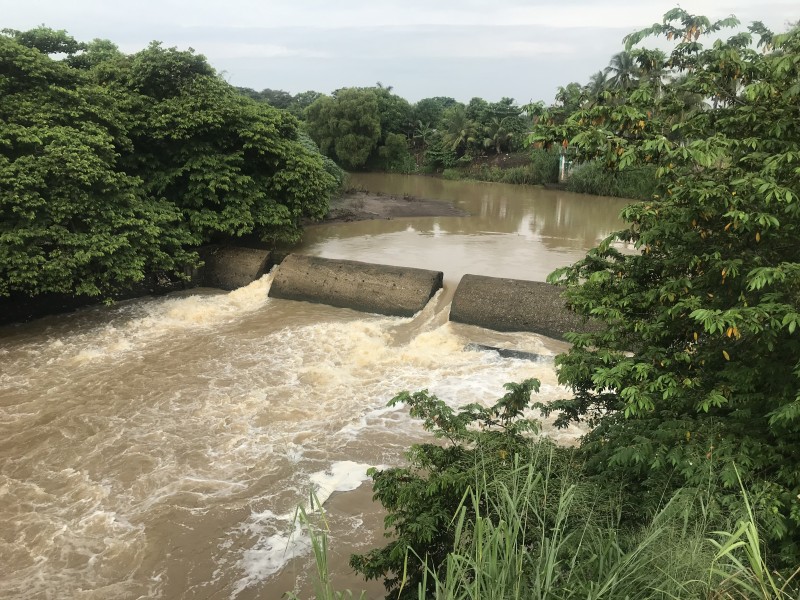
x=528, y=534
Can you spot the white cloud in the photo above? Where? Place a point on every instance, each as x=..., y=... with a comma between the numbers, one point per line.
x=489, y=48
x=226, y=50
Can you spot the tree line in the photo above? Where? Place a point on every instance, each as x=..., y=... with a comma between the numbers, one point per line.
x=373, y=128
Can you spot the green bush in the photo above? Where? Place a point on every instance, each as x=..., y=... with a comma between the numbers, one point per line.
x=422, y=498
x=394, y=156
x=696, y=370
x=453, y=174
x=593, y=178
x=545, y=164
x=113, y=167
x=493, y=512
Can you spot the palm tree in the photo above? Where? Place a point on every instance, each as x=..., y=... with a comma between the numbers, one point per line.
x=459, y=130
x=423, y=133
x=624, y=71
x=652, y=68
x=499, y=133
x=598, y=83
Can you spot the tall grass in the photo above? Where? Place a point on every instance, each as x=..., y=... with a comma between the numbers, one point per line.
x=542, y=168
x=317, y=530
x=527, y=535
x=592, y=178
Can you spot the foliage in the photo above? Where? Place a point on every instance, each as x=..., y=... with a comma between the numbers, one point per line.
x=59, y=175
x=339, y=175
x=296, y=104
x=428, y=111
x=545, y=164
x=346, y=126
x=114, y=166
x=394, y=154
x=452, y=174
x=698, y=363
x=497, y=514
x=593, y=178
x=276, y=98
x=395, y=113
x=422, y=498
x=45, y=40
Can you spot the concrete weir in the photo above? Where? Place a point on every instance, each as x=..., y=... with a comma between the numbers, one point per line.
x=513, y=305
x=231, y=267
x=383, y=289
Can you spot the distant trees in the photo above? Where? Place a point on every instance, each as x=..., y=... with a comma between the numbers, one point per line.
x=623, y=71
x=465, y=132
x=284, y=100
x=346, y=125
x=114, y=166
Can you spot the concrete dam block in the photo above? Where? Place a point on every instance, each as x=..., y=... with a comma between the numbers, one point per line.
x=513, y=305
x=231, y=267
x=384, y=289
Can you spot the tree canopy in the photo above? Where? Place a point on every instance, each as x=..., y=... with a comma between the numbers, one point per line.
x=696, y=372
x=114, y=166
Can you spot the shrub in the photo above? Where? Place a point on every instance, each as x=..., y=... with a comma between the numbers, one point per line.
x=453, y=174
x=593, y=178
x=545, y=164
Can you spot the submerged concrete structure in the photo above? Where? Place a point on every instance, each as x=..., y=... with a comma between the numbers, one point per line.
x=514, y=305
x=383, y=289
x=231, y=267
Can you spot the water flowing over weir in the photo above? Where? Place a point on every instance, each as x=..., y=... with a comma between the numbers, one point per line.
x=159, y=447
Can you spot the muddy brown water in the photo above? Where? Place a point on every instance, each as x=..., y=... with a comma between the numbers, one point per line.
x=158, y=448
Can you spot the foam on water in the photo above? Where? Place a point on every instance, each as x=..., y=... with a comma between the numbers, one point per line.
x=130, y=325
x=273, y=550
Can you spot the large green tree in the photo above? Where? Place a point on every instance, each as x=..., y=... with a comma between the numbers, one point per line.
x=233, y=166
x=71, y=221
x=113, y=167
x=696, y=372
x=346, y=126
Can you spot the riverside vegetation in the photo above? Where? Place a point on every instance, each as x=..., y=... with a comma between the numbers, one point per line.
x=114, y=167
x=688, y=483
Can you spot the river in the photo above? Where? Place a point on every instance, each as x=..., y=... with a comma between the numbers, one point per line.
x=158, y=448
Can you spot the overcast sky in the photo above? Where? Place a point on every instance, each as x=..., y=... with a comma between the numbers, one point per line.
x=459, y=48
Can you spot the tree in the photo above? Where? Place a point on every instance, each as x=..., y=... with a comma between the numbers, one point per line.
x=71, y=221
x=233, y=166
x=498, y=134
x=459, y=132
x=695, y=373
x=346, y=126
x=301, y=101
x=395, y=113
x=276, y=98
x=114, y=167
x=623, y=70
x=422, y=498
x=570, y=97
x=598, y=83
x=429, y=111
x=45, y=40
x=96, y=53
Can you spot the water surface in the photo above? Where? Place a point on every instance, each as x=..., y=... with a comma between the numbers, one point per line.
x=158, y=448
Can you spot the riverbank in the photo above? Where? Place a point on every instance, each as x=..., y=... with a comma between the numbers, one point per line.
x=366, y=206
